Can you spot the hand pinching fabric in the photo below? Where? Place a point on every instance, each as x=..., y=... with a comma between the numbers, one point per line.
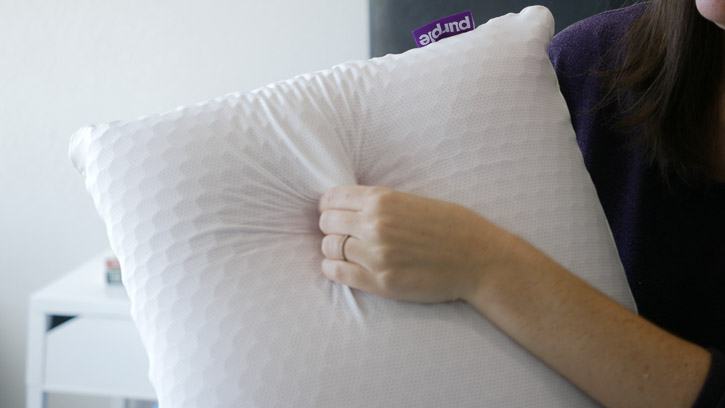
x=406, y=247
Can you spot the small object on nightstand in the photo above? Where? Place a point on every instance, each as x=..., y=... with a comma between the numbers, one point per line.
x=113, y=271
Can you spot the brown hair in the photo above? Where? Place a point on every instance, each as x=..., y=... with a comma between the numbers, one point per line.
x=667, y=83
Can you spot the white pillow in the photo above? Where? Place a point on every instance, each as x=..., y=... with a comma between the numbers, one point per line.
x=212, y=212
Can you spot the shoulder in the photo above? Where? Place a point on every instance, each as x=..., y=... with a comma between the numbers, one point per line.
x=577, y=53
x=582, y=46
x=581, y=50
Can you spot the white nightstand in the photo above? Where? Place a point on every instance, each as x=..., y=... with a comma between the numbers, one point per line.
x=81, y=340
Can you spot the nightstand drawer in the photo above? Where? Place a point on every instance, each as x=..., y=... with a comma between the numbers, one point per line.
x=95, y=355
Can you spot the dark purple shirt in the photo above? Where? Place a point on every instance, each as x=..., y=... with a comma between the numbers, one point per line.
x=672, y=244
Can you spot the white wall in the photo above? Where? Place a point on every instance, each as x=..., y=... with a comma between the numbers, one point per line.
x=66, y=64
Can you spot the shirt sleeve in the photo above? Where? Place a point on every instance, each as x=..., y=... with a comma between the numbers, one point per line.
x=712, y=394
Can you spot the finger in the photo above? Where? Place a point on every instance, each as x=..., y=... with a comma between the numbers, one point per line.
x=331, y=248
x=340, y=222
x=349, y=274
x=350, y=198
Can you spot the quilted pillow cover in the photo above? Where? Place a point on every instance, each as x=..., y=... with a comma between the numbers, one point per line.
x=212, y=212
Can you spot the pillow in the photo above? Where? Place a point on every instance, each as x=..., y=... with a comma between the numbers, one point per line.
x=212, y=212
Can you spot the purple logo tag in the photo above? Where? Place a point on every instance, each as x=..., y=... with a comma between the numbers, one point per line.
x=444, y=27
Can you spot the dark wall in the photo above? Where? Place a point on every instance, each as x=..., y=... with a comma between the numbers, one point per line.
x=391, y=21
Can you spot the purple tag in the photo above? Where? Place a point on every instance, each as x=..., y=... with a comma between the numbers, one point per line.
x=444, y=27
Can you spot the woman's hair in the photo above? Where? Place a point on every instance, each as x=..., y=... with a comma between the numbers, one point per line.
x=668, y=83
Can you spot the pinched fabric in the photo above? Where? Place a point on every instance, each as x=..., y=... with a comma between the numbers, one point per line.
x=212, y=212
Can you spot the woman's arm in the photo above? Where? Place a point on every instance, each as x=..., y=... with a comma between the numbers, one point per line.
x=615, y=356
x=416, y=249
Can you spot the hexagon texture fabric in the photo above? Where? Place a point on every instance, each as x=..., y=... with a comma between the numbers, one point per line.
x=212, y=212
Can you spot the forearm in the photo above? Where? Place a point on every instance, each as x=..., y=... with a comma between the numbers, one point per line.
x=609, y=352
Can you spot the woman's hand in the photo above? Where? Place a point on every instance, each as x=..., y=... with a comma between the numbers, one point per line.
x=407, y=247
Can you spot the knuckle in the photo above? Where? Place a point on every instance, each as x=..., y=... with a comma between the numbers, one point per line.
x=384, y=255
x=324, y=220
x=326, y=245
x=380, y=197
x=332, y=247
x=374, y=232
x=380, y=227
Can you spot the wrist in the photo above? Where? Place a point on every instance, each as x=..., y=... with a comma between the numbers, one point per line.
x=506, y=265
